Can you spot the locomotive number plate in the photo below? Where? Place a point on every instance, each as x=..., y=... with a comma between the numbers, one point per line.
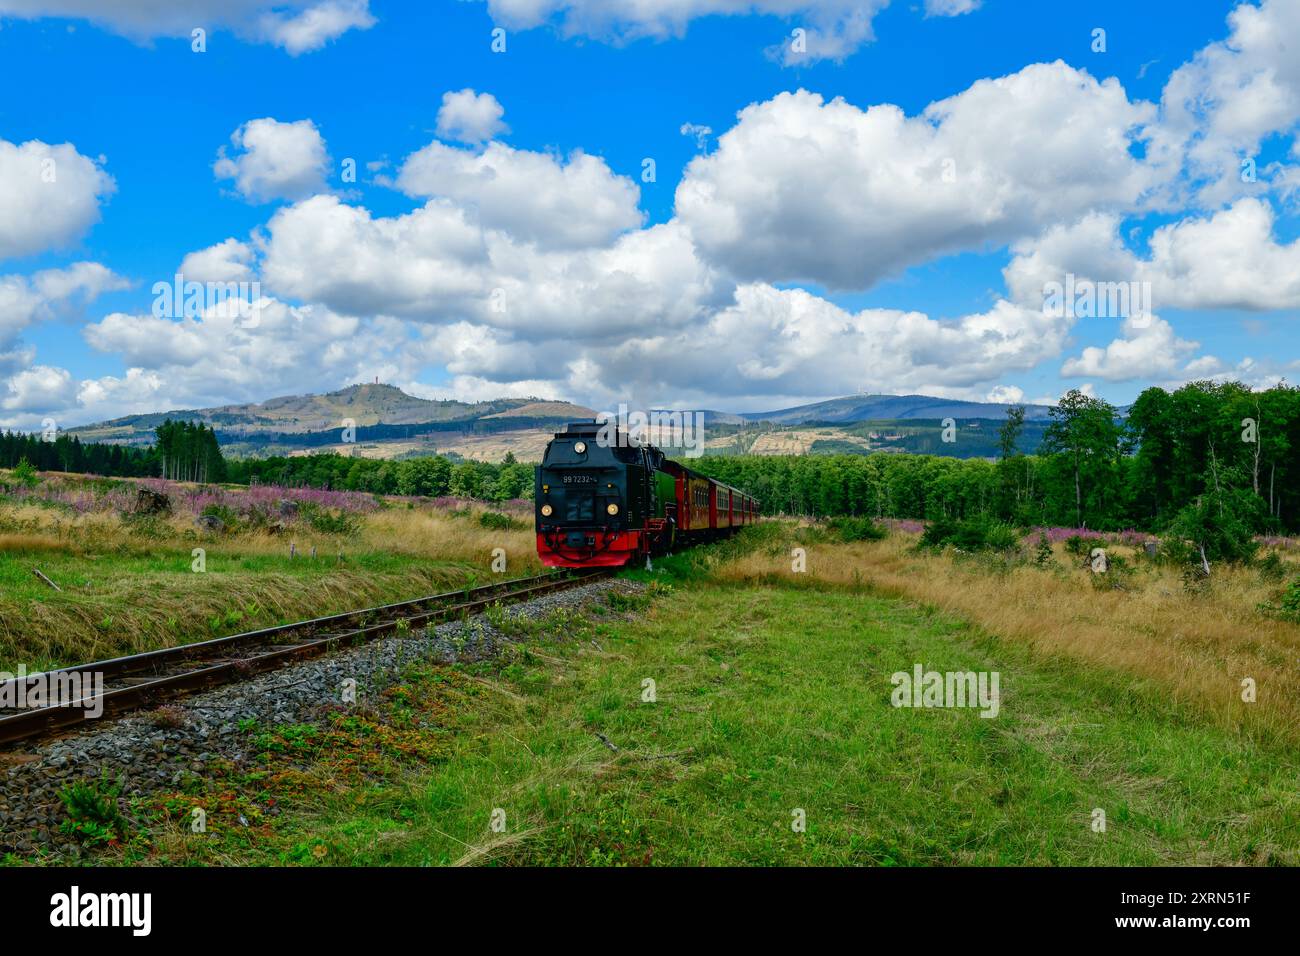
x=579, y=479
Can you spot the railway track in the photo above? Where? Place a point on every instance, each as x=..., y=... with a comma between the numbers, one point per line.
x=143, y=680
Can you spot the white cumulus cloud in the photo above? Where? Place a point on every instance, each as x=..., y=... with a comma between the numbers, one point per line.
x=533, y=196
x=470, y=117
x=1228, y=260
x=805, y=190
x=1148, y=350
x=227, y=261
x=275, y=160
x=216, y=358
x=314, y=26
x=1218, y=108
x=298, y=26
x=26, y=300
x=950, y=8
x=833, y=29
x=28, y=389
x=426, y=263
x=49, y=196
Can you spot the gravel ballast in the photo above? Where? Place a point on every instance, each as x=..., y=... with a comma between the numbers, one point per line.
x=149, y=755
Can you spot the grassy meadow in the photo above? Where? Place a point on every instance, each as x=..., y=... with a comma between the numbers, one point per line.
x=129, y=581
x=772, y=707
x=1193, y=645
x=736, y=711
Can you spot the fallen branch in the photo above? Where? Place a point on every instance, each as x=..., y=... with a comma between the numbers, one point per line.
x=635, y=756
x=42, y=576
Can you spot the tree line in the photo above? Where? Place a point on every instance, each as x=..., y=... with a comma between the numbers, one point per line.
x=431, y=475
x=183, y=451
x=1215, y=450
x=188, y=451
x=68, y=453
x=1207, y=445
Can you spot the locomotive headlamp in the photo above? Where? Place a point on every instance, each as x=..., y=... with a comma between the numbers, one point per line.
x=611, y=509
x=580, y=447
x=546, y=511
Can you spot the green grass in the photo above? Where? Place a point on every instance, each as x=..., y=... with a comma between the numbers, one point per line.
x=139, y=599
x=771, y=701
x=84, y=571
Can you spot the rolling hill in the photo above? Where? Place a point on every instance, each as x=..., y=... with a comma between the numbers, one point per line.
x=389, y=423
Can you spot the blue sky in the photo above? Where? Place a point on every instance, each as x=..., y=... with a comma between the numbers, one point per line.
x=790, y=283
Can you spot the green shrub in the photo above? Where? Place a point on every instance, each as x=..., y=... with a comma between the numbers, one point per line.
x=25, y=474
x=1043, y=553
x=497, y=521
x=856, y=529
x=1291, y=600
x=938, y=533
x=332, y=522
x=999, y=536
x=93, y=812
x=626, y=603
x=971, y=534
x=1219, y=526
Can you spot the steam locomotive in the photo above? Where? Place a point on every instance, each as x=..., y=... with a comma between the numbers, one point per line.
x=608, y=501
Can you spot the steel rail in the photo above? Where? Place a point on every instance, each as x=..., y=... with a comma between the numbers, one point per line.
x=225, y=660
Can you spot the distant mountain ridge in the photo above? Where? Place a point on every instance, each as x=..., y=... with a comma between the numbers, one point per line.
x=375, y=412
x=376, y=404
x=376, y=420
x=859, y=408
x=366, y=406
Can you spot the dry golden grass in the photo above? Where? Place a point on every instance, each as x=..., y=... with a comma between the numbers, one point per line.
x=422, y=531
x=34, y=543
x=427, y=533
x=1198, y=647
